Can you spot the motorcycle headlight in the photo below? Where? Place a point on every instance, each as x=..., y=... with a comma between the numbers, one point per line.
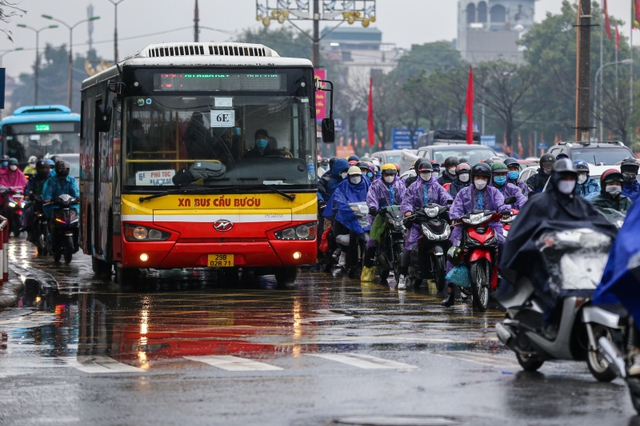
x=432, y=212
x=12, y=204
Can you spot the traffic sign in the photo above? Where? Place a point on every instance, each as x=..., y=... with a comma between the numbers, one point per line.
x=401, y=138
x=488, y=140
x=543, y=145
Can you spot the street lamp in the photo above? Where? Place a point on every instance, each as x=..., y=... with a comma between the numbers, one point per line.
x=37, y=31
x=599, y=95
x=115, y=29
x=7, y=52
x=71, y=27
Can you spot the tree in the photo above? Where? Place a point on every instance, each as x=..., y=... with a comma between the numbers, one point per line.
x=507, y=90
x=284, y=40
x=7, y=11
x=426, y=58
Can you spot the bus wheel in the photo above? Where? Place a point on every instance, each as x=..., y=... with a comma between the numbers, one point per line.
x=100, y=267
x=126, y=275
x=286, y=274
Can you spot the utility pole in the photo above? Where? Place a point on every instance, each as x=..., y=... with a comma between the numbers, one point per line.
x=196, y=22
x=583, y=70
x=316, y=34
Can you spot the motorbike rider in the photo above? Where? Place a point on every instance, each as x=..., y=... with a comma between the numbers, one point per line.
x=449, y=172
x=611, y=196
x=537, y=181
x=499, y=180
x=463, y=179
x=12, y=179
x=351, y=190
x=34, y=187
x=416, y=165
x=367, y=170
x=629, y=169
x=386, y=192
x=30, y=169
x=514, y=175
x=587, y=186
x=557, y=208
x=328, y=183
x=436, y=169
x=478, y=195
x=61, y=183
x=423, y=191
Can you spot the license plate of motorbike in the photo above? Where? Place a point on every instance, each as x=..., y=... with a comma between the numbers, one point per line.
x=221, y=260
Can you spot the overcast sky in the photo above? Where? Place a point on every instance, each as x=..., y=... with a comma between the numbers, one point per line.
x=403, y=22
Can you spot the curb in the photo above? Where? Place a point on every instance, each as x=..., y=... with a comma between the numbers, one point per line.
x=11, y=291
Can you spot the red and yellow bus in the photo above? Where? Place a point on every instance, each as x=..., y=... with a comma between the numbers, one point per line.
x=170, y=176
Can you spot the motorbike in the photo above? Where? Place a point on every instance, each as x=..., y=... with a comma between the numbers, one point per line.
x=356, y=251
x=392, y=243
x=39, y=233
x=64, y=229
x=428, y=257
x=575, y=260
x=14, y=204
x=479, y=253
x=507, y=217
x=614, y=216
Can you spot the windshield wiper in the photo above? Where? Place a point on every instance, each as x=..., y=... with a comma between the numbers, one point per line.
x=289, y=197
x=185, y=190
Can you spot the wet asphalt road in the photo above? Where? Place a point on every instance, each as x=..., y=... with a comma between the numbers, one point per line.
x=183, y=348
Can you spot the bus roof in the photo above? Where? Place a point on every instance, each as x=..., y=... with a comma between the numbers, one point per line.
x=38, y=113
x=199, y=54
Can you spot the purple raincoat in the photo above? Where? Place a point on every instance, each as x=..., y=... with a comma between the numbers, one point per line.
x=467, y=201
x=510, y=190
x=379, y=194
x=414, y=200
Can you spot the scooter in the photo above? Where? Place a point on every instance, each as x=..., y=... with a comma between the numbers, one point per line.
x=428, y=257
x=392, y=243
x=507, y=217
x=64, y=229
x=39, y=234
x=356, y=252
x=14, y=204
x=575, y=260
x=479, y=247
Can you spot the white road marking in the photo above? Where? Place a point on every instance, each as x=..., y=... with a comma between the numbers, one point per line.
x=367, y=362
x=478, y=358
x=233, y=363
x=99, y=364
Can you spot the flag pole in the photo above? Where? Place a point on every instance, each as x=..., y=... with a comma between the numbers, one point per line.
x=631, y=71
x=600, y=83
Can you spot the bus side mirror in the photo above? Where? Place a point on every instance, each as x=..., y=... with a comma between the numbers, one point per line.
x=328, y=130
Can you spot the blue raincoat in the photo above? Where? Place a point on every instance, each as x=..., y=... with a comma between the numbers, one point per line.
x=631, y=190
x=328, y=183
x=621, y=278
x=338, y=205
x=588, y=190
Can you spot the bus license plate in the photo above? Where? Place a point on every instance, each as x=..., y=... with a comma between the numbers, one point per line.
x=221, y=260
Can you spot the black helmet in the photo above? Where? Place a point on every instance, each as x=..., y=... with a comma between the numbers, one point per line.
x=451, y=161
x=332, y=160
x=509, y=161
x=42, y=169
x=62, y=169
x=565, y=166
x=435, y=165
x=547, y=158
x=464, y=160
x=481, y=169
x=629, y=165
x=5, y=158
x=424, y=166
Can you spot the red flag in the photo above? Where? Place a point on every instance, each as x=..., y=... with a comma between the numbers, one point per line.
x=370, y=124
x=607, y=21
x=617, y=38
x=636, y=14
x=469, y=108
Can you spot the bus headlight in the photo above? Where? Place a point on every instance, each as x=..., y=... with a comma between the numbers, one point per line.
x=144, y=233
x=300, y=232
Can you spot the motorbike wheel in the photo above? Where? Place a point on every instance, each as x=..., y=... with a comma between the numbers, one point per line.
x=286, y=275
x=15, y=225
x=384, y=274
x=634, y=392
x=480, y=284
x=440, y=273
x=397, y=258
x=42, y=244
x=57, y=256
x=68, y=254
x=529, y=363
x=598, y=365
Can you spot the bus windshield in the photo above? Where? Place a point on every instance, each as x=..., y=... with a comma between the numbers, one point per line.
x=41, y=139
x=238, y=140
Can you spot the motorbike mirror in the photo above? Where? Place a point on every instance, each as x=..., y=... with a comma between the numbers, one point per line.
x=510, y=200
x=449, y=202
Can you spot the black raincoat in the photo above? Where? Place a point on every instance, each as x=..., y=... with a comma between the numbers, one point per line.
x=548, y=211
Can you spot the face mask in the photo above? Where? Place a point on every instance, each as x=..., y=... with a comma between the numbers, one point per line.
x=370, y=175
x=426, y=176
x=614, y=190
x=452, y=171
x=626, y=176
x=43, y=174
x=480, y=184
x=355, y=180
x=261, y=143
x=4, y=164
x=566, y=186
x=464, y=178
x=436, y=175
x=13, y=167
x=514, y=175
x=32, y=165
x=582, y=178
x=547, y=170
x=500, y=180
x=389, y=179
x=344, y=175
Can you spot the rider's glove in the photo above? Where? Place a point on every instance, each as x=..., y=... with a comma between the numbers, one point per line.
x=373, y=211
